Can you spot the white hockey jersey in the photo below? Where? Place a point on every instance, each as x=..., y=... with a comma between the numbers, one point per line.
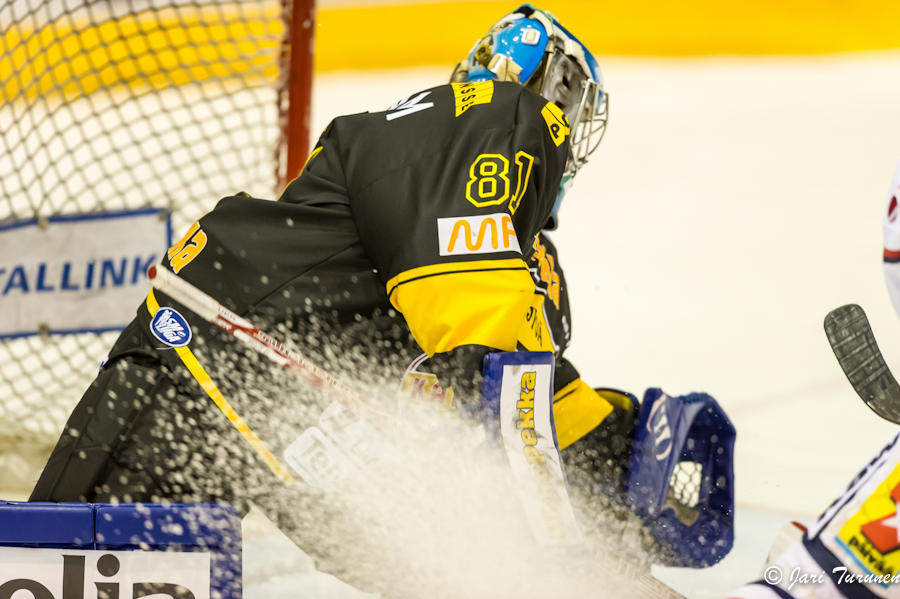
x=851, y=551
x=891, y=232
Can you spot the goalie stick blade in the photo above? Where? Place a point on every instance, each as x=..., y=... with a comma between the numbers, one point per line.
x=854, y=347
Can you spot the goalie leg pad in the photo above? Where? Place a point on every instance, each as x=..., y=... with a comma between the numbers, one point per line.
x=518, y=403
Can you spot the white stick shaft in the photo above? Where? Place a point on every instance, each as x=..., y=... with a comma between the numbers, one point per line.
x=250, y=335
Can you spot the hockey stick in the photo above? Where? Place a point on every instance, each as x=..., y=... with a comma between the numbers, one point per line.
x=854, y=346
x=264, y=344
x=641, y=581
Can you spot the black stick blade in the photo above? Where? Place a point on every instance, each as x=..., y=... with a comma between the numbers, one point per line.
x=854, y=346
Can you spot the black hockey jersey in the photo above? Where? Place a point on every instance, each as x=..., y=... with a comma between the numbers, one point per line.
x=431, y=209
x=408, y=231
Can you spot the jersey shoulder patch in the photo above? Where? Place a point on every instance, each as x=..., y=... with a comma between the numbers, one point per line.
x=557, y=123
x=466, y=95
x=408, y=105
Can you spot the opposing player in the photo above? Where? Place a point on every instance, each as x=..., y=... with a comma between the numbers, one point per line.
x=410, y=233
x=851, y=550
x=890, y=225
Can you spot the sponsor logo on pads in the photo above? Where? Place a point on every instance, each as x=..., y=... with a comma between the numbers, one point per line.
x=170, y=327
x=488, y=234
x=549, y=499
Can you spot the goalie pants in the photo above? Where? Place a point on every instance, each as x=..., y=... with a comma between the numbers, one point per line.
x=143, y=433
x=136, y=436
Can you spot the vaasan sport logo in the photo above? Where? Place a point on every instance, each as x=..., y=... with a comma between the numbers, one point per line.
x=488, y=234
x=170, y=327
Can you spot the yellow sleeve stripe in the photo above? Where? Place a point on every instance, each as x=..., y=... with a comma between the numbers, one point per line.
x=199, y=373
x=464, y=303
x=577, y=410
x=452, y=267
x=311, y=156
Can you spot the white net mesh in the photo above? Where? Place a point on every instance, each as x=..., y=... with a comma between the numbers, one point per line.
x=122, y=104
x=685, y=483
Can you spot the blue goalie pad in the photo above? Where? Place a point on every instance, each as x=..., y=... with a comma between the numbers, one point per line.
x=125, y=551
x=681, y=476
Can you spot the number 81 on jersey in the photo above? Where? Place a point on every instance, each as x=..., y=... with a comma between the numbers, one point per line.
x=489, y=181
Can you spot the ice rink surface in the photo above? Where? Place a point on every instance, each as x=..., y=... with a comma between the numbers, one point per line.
x=733, y=203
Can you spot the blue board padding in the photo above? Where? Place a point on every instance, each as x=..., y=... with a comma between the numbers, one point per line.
x=50, y=525
x=211, y=527
x=204, y=525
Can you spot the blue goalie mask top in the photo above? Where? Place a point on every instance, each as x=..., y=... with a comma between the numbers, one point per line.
x=531, y=47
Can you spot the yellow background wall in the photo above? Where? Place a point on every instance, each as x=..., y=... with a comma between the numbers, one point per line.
x=154, y=50
x=369, y=36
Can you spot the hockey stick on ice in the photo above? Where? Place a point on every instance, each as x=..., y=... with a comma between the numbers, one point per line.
x=641, y=582
x=854, y=346
x=264, y=344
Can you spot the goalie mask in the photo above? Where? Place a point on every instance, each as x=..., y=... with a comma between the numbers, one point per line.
x=530, y=47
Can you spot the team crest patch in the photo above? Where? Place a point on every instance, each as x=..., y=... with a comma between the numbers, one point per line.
x=170, y=327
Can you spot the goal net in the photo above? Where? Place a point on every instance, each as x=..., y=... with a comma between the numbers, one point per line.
x=119, y=105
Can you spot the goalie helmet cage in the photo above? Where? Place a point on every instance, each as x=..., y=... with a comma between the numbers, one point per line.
x=112, y=105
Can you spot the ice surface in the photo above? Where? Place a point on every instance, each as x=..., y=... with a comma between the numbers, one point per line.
x=275, y=568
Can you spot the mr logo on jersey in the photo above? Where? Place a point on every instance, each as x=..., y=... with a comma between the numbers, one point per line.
x=170, y=327
x=488, y=234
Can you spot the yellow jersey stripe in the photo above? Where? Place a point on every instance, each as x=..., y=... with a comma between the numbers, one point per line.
x=464, y=303
x=199, y=373
x=312, y=155
x=453, y=267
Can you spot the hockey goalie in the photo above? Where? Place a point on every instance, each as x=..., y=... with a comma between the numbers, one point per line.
x=410, y=252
